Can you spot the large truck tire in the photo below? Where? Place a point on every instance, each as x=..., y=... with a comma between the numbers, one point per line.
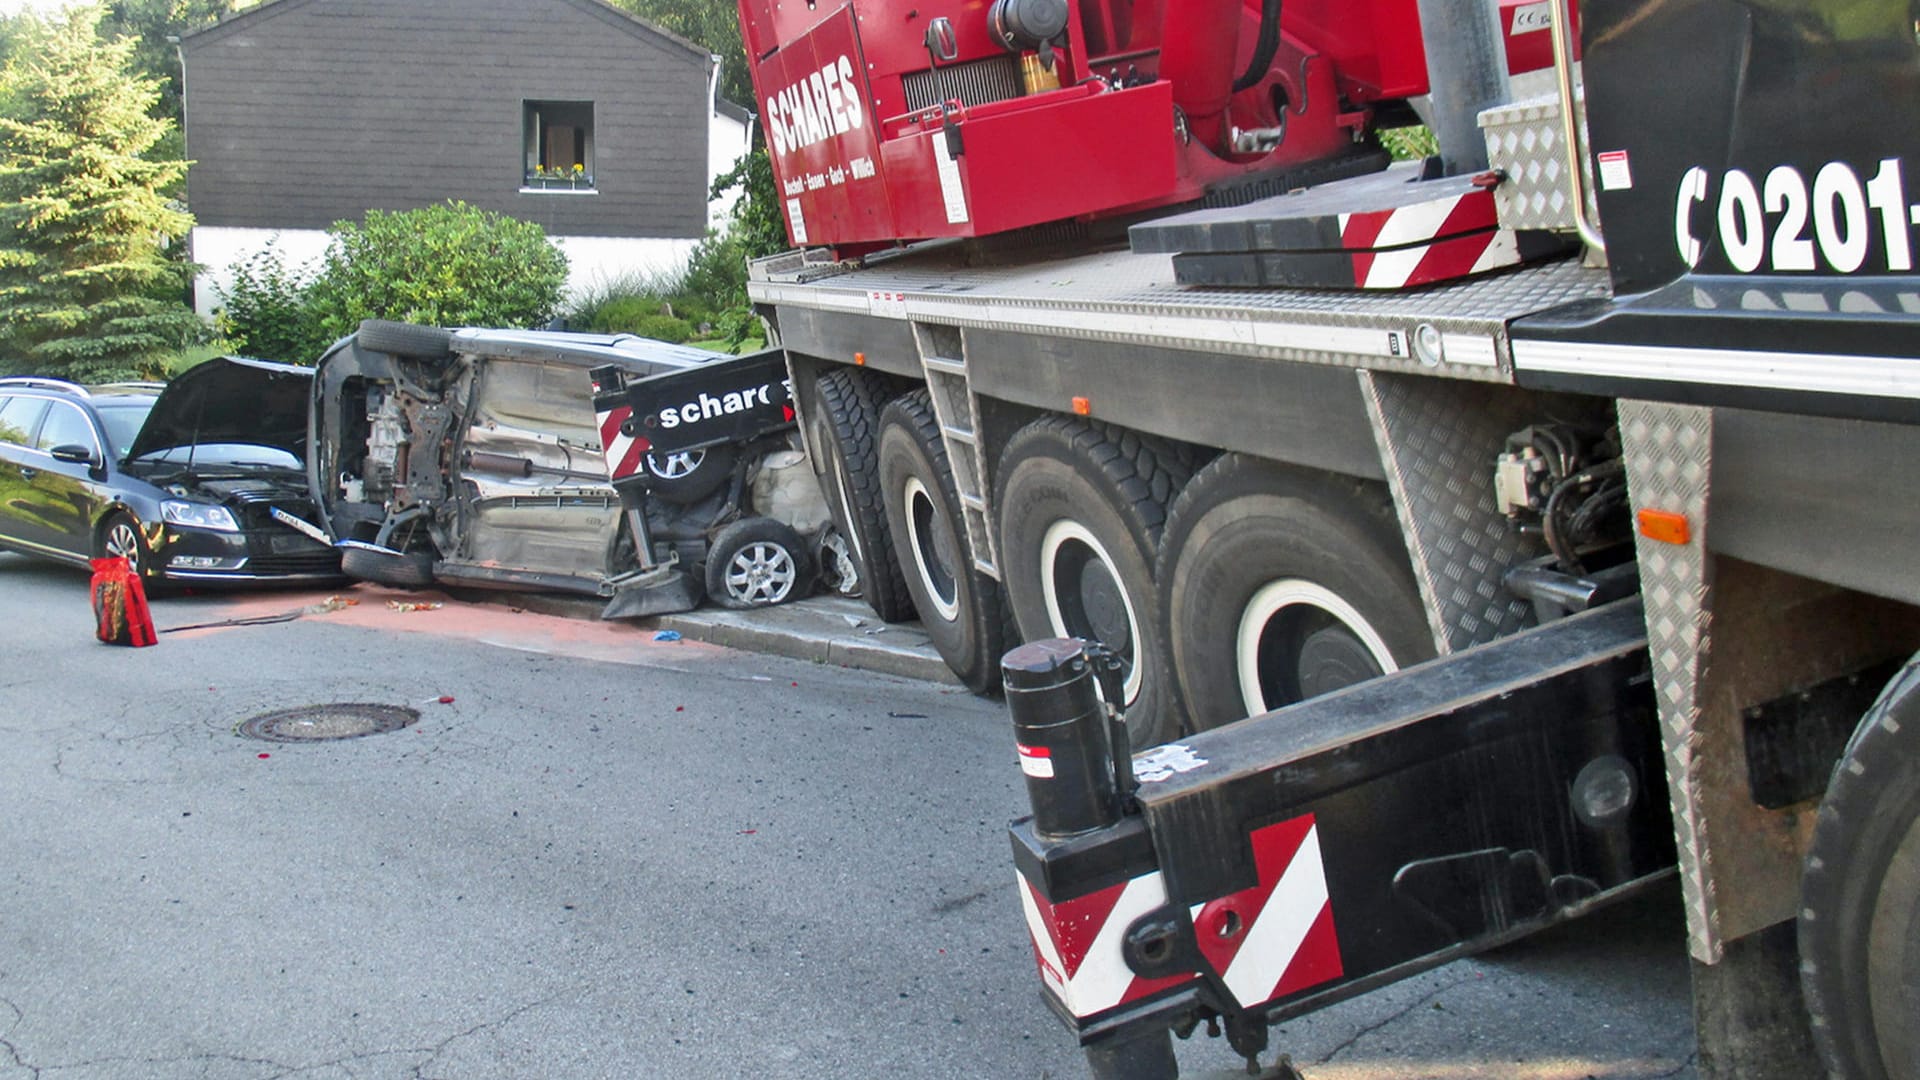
x=1081, y=507
x=1860, y=897
x=1278, y=585
x=962, y=609
x=843, y=427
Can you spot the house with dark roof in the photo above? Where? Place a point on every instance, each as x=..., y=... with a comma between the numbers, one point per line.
x=600, y=126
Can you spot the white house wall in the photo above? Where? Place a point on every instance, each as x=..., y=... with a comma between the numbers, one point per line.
x=593, y=261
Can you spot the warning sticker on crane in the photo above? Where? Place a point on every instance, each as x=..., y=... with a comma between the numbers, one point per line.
x=797, y=221
x=1036, y=761
x=951, y=189
x=1615, y=173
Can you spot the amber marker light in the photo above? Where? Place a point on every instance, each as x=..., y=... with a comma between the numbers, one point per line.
x=1082, y=407
x=1664, y=526
x=859, y=359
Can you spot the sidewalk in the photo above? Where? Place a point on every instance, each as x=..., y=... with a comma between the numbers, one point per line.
x=826, y=629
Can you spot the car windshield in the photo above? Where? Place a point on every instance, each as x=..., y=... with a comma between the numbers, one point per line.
x=122, y=420
x=225, y=455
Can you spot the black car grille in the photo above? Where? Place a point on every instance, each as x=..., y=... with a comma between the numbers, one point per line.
x=317, y=561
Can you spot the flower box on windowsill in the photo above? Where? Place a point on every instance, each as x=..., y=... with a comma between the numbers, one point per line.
x=580, y=183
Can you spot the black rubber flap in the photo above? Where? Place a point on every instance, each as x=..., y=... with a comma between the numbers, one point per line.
x=1307, y=220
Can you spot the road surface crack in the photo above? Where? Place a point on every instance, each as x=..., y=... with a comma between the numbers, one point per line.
x=419, y=1071
x=6, y=1043
x=1411, y=1006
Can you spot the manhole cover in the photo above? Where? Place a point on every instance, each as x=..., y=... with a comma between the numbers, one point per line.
x=315, y=723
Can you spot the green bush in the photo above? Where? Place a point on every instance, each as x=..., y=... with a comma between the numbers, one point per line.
x=664, y=328
x=265, y=314
x=1410, y=143
x=648, y=316
x=621, y=314
x=446, y=265
x=715, y=281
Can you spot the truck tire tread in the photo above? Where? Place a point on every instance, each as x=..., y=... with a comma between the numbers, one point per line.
x=847, y=407
x=1860, y=896
x=982, y=628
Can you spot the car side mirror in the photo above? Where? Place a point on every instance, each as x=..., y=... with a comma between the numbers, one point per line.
x=73, y=454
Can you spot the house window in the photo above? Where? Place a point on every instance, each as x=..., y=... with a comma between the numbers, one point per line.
x=559, y=145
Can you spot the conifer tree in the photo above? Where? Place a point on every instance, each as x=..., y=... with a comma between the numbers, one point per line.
x=86, y=288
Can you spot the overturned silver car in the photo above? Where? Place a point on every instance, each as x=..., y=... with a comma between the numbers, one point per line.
x=474, y=457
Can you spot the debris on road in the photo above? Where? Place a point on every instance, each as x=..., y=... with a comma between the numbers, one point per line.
x=667, y=635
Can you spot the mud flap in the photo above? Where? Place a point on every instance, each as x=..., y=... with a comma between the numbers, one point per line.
x=659, y=590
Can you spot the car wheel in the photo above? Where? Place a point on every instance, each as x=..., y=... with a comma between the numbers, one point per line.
x=120, y=537
x=1277, y=585
x=843, y=427
x=963, y=610
x=1081, y=508
x=404, y=569
x=757, y=562
x=839, y=574
x=405, y=339
x=1860, y=896
x=684, y=477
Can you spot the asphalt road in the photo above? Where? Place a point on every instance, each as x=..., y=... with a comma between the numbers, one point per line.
x=603, y=857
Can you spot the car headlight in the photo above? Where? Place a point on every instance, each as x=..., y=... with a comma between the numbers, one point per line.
x=198, y=516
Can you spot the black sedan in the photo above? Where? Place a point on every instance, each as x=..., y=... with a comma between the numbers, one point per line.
x=201, y=481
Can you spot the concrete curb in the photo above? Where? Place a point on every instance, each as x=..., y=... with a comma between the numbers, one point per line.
x=824, y=629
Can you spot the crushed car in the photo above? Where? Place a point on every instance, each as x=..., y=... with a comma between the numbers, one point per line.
x=475, y=457
x=199, y=481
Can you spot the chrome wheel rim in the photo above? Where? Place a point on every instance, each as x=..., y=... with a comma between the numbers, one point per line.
x=122, y=541
x=676, y=465
x=761, y=573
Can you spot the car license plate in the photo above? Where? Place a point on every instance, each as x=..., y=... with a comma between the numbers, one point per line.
x=304, y=527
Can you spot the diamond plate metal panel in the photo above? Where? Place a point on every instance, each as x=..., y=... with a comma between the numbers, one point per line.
x=1524, y=141
x=1122, y=297
x=1437, y=442
x=1669, y=452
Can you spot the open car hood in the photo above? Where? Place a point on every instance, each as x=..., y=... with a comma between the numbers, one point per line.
x=230, y=399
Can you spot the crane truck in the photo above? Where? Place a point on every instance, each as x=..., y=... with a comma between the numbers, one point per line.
x=1461, y=544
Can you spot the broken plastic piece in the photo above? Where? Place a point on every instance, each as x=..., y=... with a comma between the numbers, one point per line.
x=667, y=635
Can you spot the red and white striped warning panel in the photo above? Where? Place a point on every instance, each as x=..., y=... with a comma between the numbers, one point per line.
x=622, y=451
x=1077, y=944
x=1449, y=214
x=1445, y=259
x=1390, y=230
x=1266, y=942
x=1277, y=937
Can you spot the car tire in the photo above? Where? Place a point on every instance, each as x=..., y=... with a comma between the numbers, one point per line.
x=757, y=562
x=1859, y=928
x=1279, y=584
x=405, y=339
x=1081, y=509
x=685, y=477
x=843, y=427
x=402, y=569
x=120, y=535
x=962, y=610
